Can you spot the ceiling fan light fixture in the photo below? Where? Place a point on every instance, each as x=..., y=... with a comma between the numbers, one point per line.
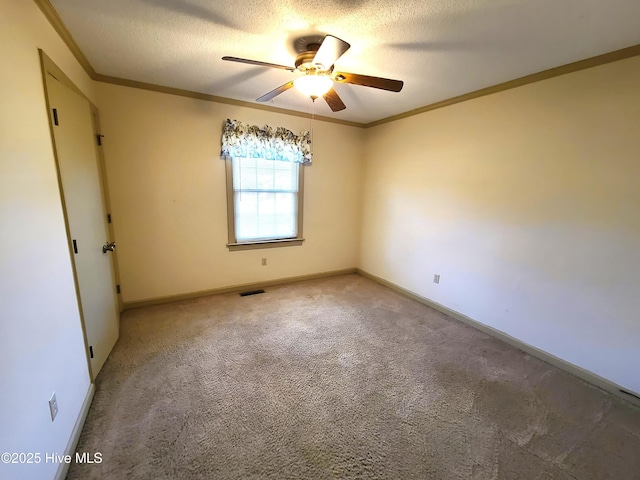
x=313, y=86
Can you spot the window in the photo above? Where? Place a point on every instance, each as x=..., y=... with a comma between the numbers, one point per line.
x=264, y=199
x=264, y=184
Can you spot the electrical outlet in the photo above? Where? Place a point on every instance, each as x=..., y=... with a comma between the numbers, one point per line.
x=436, y=278
x=264, y=262
x=53, y=406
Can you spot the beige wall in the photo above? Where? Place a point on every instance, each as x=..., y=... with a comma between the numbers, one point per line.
x=526, y=203
x=168, y=198
x=41, y=344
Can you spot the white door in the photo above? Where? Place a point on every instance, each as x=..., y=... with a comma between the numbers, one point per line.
x=77, y=156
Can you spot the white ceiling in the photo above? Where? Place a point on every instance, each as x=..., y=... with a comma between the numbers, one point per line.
x=440, y=48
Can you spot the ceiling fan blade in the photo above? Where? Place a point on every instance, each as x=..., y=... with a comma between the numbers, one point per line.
x=331, y=49
x=258, y=63
x=367, y=81
x=334, y=101
x=275, y=92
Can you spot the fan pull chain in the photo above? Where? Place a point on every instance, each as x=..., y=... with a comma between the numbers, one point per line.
x=239, y=179
x=313, y=114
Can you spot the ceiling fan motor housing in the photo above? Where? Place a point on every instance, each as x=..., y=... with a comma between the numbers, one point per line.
x=304, y=61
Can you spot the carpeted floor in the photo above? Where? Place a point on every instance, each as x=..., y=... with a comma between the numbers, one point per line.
x=341, y=378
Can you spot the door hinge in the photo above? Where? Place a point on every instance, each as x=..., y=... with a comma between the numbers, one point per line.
x=117, y=288
x=108, y=218
x=75, y=246
x=55, y=116
x=91, y=350
x=99, y=137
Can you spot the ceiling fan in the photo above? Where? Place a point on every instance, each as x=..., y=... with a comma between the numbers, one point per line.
x=315, y=63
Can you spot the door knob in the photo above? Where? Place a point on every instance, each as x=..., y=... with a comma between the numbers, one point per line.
x=109, y=247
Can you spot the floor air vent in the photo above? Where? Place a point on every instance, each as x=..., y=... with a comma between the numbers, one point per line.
x=251, y=292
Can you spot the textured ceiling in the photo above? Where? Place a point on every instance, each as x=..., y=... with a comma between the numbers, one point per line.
x=440, y=48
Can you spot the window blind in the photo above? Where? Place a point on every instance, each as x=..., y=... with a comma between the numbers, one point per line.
x=266, y=199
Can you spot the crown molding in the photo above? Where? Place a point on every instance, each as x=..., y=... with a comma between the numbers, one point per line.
x=59, y=26
x=212, y=98
x=518, y=82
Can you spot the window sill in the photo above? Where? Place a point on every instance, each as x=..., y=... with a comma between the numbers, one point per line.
x=289, y=242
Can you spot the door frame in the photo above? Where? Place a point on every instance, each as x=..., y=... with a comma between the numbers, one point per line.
x=104, y=187
x=48, y=67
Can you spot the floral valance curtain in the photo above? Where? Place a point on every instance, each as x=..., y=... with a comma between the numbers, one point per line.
x=241, y=140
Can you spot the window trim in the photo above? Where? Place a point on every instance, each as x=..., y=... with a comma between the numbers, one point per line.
x=233, y=245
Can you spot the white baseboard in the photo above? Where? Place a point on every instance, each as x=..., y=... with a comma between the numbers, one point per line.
x=589, y=377
x=63, y=468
